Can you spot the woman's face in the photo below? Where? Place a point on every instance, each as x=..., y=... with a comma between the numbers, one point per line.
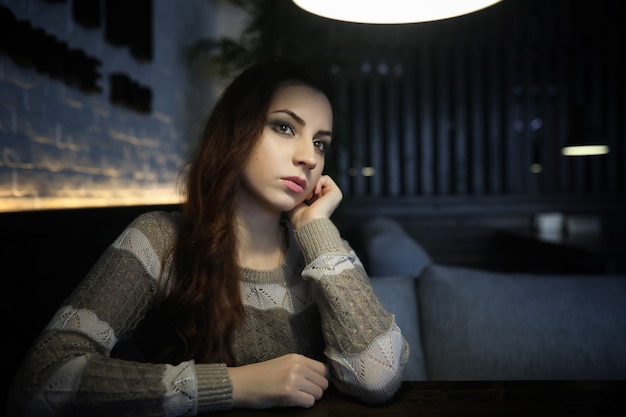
x=289, y=157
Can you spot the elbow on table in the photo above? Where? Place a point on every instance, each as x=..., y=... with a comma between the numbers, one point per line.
x=375, y=393
x=371, y=387
x=375, y=375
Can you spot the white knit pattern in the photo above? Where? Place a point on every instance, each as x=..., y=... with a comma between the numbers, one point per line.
x=58, y=389
x=85, y=322
x=134, y=241
x=330, y=264
x=377, y=366
x=182, y=387
x=271, y=296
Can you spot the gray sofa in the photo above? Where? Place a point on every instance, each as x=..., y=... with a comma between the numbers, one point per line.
x=467, y=324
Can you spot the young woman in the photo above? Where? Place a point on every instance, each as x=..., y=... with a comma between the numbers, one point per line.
x=248, y=298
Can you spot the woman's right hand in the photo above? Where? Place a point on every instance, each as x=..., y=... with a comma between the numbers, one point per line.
x=291, y=380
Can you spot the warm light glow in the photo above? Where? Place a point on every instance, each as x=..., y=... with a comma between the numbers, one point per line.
x=392, y=11
x=585, y=150
x=365, y=171
x=368, y=171
x=110, y=198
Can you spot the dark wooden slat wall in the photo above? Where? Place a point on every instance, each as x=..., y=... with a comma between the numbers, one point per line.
x=425, y=116
x=473, y=114
x=480, y=106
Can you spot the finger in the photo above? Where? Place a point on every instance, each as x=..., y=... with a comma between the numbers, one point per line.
x=312, y=389
x=317, y=366
x=320, y=186
x=308, y=392
x=303, y=393
x=329, y=186
x=318, y=380
x=317, y=373
x=301, y=399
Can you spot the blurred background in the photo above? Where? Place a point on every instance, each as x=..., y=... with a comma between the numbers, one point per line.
x=453, y=127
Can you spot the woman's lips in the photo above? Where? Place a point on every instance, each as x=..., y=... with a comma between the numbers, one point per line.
x=295, y=184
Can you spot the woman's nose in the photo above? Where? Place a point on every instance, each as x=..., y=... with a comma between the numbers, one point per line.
x=305, y=155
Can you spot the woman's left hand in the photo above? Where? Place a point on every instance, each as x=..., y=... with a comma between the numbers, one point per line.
x=322, y=202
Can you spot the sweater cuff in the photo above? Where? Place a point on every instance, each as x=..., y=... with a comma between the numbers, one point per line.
x=215, y=389
x=318, y=237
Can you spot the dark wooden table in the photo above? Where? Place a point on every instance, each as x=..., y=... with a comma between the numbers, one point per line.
x=475, y=398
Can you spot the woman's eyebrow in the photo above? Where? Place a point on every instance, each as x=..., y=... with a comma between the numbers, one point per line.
x=297, y=118
x=301, y=121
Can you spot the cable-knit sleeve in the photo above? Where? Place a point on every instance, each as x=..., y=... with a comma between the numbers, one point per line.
x=364, y=345
x=70, y=371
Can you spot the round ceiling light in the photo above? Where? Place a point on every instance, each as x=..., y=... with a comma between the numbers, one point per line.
x=392, y=11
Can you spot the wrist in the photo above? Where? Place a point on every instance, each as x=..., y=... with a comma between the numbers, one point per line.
x=317, y=237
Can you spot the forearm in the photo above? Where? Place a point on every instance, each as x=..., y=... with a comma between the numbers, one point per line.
x=72, y=381
x=365, y=346
x=70, y=366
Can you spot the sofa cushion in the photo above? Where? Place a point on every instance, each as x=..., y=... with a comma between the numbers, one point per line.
x=488, y=326
x=389, y=250
x=398, y=296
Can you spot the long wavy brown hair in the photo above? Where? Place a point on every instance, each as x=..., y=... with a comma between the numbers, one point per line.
x=204, y=308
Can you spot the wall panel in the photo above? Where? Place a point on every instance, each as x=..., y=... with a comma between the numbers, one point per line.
x=485, y=103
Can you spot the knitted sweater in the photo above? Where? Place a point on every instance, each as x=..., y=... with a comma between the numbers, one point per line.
x=318, y=303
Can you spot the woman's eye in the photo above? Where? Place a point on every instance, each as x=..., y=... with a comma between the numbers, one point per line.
x=321, y=145
x=283, y=128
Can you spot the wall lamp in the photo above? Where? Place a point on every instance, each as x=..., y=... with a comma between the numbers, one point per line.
x=392, y=11
x=585, y=150
x=585, y=137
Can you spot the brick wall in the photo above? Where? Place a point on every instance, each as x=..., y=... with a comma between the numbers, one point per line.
x=67, y=142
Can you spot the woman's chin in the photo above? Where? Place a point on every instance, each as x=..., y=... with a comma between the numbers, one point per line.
x=287, y=207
